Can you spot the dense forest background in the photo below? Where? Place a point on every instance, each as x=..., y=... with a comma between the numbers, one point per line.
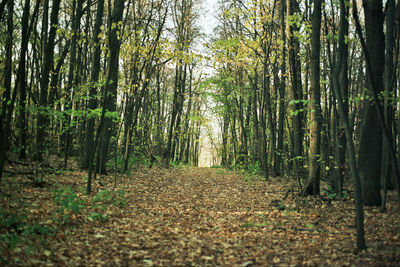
x=298, y=88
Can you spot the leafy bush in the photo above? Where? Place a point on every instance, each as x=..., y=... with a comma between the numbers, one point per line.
x=97, y=216
x=104, y=196
x=103, y=199
x=220, y=172
x=18, y=232
x=11, y=220
x=217, y=166
x=108, y=197
x=331, y=194
x=69, y=203
x=254, y=168
x=37, y=230
x=120, y=199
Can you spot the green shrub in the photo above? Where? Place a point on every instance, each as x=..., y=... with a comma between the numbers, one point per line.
x=108, y=197
x=97, y=216
x=19, y=233
x=102, y=200
x=254, y=169
x=68, y=203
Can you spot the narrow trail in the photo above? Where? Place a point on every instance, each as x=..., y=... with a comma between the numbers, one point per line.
x=209, y=217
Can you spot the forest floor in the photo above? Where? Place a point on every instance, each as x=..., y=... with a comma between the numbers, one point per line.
x=185, y=217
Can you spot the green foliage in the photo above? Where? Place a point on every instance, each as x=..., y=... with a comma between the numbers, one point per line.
x=174, y=163
x=102, y=200
x=37, y=230
x=221, y=172
x=97, y=216
x=17, y=232
x=11, y=220
x=120, y=199
x=179, y=164
x=254, y=168
x=68, y=204
x=296, y=102
x=217, y=167
x=251, y=225
x=103, y=196
x=14, y=225
x=111, y=163
x=108, y=197
x=297, y=158
x=331, y=194
x=251, y=171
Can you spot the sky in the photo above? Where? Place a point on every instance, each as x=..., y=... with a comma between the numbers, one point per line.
x=208, y=20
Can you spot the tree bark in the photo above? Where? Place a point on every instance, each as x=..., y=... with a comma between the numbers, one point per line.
x=5, y=98
x=94, y=77
x=370, y=151
x=282, y=87
x=387, y=160
x=72, y=73
x=112, y=83
x=350, y=145
x=48, y=58
x=296, y=93
x=315, y=104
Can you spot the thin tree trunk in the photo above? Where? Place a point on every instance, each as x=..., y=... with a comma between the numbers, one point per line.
x=350, y=145
x=94, y=76
x=71, y=75
x=282, y=86
x=5, y=98
x=112, y=83
x=48, y=57
x=388, y=87
x=313, y=187
x=108, y=90
x=297, y=94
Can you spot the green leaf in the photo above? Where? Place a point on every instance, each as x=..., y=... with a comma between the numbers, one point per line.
x=309, y=225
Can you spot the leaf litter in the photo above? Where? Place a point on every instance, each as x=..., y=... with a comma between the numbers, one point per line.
x=196, y=217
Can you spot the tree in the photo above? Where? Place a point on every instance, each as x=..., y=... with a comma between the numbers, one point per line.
x=48, y=61
x=108, y=130
x=348, y=132
x=105, y=128
x=296, y=89
x=282, y=87
x=340, y=138
x=183, y=17
x=72, y=73
x=315, y=101
x=370, y=151
x=387, y=159
x=6, y=105
x=94, y=80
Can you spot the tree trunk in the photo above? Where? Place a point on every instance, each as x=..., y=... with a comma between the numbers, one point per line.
x=350, y=145
x=112, y=83
x=282, y=87
x=71, y=75
x=5, y=98
x=48, y=58
x=387, y=160
x=94, y=76
x=370, y=151
x=343, y=84
x=315, y=104
x=297, y=93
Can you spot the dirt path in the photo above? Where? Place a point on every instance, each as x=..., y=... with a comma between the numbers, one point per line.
x=201, y=216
